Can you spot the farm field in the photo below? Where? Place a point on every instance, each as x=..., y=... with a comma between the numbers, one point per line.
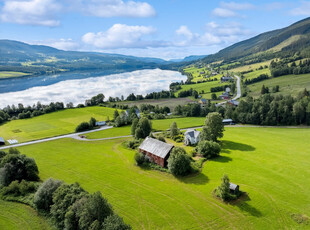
x=164, y=124
x=15, y=216
x=251, y=66
x=53, y=124
x=270, y=164
x=11, y=74
x=256, y=73
x=289, y=84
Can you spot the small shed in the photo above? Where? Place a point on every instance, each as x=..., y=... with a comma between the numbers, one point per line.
x=233, y=102
x=2, y=141
x=203, y=101
x=156, y=151
x=233, y=188
x=227, y=121
x=100, y=123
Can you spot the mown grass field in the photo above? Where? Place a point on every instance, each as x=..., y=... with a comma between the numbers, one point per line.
x=15, y=216
x=158, y=125
x=270, y=164
x=11, y=74
x=251, y=66
x=53, y=124
x=256, y=73
x=289, y=84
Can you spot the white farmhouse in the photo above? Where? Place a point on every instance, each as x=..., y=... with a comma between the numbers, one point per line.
x=191, y=137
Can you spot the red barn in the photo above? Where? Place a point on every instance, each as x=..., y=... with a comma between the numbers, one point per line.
x=156, y=151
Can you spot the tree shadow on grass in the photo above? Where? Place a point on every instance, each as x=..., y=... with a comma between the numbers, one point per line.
x=244, y=206
x=221, y=159
x=199, y=178
x=230, y=145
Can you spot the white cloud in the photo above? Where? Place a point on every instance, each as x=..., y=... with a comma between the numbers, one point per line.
x=303, y=10
x=118, y=8
x=237, y=6
x=224, y=13
x=31, y=12
x=138, y=82
x=121, y=36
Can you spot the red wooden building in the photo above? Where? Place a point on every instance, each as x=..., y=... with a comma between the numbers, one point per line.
x=156, y=151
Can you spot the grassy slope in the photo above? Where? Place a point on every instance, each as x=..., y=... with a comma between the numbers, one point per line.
x=14, y=216
x=53, y=124
x=249, y=67
x=289, y=84
x=11, y=74
x=270, y=164
x=165, y=124
x=256, y=73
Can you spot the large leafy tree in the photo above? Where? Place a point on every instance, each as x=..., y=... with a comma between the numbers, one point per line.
x=179, y=162
x=213, y=128
x=223, y=190
x=144, y=128
x=174, y=131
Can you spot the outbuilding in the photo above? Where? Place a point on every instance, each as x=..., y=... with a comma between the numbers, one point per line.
x=156, y=151
x=233, y=188
x=191, y=137
x=227, y=122
x=2, y=141
x=100, y=123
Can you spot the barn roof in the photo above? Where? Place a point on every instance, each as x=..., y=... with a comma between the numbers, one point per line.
x=156, y=147
x=2, y=140
x=232, y=186
x=227, y=120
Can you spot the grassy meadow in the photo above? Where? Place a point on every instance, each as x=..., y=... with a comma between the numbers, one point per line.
x=289, y=85
x=270, y=164
x=256, y=73
x=15, y=216
x=52, y=124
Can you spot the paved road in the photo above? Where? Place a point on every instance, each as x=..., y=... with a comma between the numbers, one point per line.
x=72, y=135
x=238, y=92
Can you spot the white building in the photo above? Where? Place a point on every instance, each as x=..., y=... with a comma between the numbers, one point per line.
x=191, y=137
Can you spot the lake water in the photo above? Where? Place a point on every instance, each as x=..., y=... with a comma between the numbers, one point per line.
x=77, y=87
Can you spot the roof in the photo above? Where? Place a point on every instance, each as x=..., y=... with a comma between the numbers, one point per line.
x=203, y=100
x=2, y=140
x=100, y=123
x=156, y=147
x=192, y=133
x=234, y=102
x=233, y=186
x=227, y=120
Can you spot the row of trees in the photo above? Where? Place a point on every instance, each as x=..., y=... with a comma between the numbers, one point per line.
x=256, y=79
x=284, y=67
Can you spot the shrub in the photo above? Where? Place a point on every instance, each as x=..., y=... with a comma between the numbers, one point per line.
x=139, y=158
x=84, y=126
x=133, y=144
x=179, y=162
x=208, y=149
x=114, y=222
x=17, y=188
x=223, y=191
x=161, y=138
x=43, y=198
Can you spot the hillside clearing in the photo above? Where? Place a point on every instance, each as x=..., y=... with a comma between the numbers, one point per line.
x=270, y=164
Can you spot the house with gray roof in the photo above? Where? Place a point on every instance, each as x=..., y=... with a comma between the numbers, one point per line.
x=156, y=151
x=2, y=141
x=191, y=137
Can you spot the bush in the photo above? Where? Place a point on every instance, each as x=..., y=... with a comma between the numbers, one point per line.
x=84, y=126
x=19, y=188
x=139, y=158
x=208, y=149
x=133, y=144
x=114, y=222
x=43, y=198
x=161, y=138
x=179, y=162
x=223, y=191
x=178, y=138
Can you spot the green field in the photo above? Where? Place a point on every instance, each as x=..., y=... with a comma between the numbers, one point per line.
x=256, y=73
x=250, y=67
x=289, y=84
x=11, y=74
x=53, y=124
x=158, y=125
x=15, y=216
x=270, y=164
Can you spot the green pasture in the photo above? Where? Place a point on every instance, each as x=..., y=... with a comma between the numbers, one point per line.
x=270, y=164
x=11, y=74
x=52, y=124
x=15, y=216
x=250, y=67
x=256, y=73
x=289, y=84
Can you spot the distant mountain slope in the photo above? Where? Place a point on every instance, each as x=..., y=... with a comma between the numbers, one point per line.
x=294, y=38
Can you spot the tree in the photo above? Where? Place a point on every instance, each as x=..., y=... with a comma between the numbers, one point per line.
x=114, y=222
x=213, y=96
x=18, y=167
x=174, y=131
x=82, y=127
x=208, y=149
x=43, y=198
x=92, y=122
x=263, y=90
x=116, y=114
x=143, y=129
x=223, y=190
x=213, y=128
x=139, y=158
x=134, y=126
x=179, y=162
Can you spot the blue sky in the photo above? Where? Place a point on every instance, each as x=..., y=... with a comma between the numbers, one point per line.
x=153, y=28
